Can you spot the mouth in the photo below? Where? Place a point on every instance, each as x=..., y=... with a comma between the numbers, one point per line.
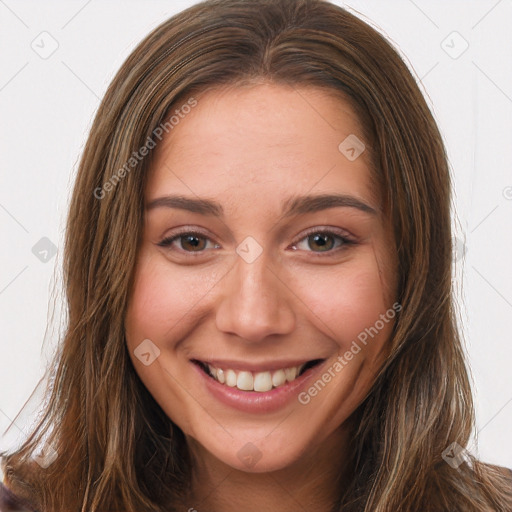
x=261, y=381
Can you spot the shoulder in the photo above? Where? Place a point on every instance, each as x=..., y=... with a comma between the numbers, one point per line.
x=501, y=482
x=508, y=474
x=10, y=502
x=504, y=472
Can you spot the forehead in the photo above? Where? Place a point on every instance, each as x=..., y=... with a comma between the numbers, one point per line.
x=262, y=140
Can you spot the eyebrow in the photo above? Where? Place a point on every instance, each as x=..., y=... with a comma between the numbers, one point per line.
x=202, y=206
x=314, y=203
x=292, y=206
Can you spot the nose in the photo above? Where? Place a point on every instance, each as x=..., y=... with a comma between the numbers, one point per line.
x=255, y=302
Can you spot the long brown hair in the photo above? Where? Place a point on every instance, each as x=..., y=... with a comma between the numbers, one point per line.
x=117, y=450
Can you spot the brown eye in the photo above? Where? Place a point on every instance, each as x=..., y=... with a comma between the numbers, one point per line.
x=192, y=242
x=187, y=242
x=322, y=241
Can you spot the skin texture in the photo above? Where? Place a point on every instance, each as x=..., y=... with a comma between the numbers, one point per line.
x=251, y=148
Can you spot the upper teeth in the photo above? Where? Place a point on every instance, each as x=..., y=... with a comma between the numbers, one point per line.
x=260, y=381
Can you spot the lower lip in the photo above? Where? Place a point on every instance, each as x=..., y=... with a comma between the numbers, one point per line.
x=256, y=401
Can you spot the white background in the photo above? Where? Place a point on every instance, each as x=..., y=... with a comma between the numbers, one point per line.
x=47, y=106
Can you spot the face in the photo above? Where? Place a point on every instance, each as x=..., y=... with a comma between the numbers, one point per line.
x=262, y=305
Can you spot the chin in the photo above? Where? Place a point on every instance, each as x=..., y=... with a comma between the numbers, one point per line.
x=268, y=454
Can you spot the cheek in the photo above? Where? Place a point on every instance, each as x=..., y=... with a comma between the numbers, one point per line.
x=348, y=302
x=164, y=298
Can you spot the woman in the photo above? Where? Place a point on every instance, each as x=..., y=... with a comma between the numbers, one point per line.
x=258, y=270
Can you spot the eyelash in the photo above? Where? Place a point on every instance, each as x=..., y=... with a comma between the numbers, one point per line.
x=346, y=241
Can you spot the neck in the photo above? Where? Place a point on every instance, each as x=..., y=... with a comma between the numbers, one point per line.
x=313, y=483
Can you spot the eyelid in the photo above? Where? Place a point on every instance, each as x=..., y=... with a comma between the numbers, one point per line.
x=186, y=230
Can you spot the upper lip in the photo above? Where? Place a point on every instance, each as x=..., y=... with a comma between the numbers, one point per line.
x=255, y=367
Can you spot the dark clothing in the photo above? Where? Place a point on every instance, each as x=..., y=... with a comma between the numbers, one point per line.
x=9, y=502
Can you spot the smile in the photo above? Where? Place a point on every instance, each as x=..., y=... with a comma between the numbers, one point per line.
x=260, y=381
